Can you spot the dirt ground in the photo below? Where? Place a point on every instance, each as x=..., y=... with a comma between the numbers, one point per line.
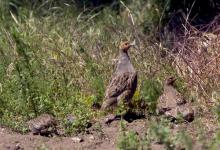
x=98, y=137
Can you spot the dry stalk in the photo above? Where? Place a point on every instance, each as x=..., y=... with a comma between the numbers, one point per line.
x=198, y=56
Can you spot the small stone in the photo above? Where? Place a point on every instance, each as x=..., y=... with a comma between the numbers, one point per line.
x=96, y=106
x=91, y=137
x=18, y=147
x=70, y=118
x=88, y=125
x=188, y=115
x=2, y=130
x=7, y=146
x=143, y=104
x=77, y=139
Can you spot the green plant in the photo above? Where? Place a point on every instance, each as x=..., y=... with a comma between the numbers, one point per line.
x=184, y=140
x=215, y=143
x=160, y=133
x=151, y=90
x=128, y=140
x=58, y=59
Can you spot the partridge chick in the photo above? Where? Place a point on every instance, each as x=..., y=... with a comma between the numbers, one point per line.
x=171, y=103
x=44, y=124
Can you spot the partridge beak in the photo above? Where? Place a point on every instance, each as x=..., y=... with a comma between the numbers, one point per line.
x=134, y=44
x=173, y=78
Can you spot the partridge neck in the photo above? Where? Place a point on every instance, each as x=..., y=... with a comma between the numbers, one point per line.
x=124, y=64
x=123, y=54
x=168, y=88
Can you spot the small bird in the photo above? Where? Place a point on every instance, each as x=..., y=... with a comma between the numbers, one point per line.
x=44, y=124
x=170, y=97
x=124, y=80
x=171, y=102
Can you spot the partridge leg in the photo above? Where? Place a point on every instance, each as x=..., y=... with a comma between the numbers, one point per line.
x=125, y=98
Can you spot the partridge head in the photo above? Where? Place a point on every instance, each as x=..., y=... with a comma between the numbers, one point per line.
x=125, y=46
x=170, y=81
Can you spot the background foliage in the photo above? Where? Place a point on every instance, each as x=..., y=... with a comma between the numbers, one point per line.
x=57, y=56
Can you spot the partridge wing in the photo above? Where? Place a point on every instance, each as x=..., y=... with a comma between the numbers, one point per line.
x=176, y=97
x=120, y=83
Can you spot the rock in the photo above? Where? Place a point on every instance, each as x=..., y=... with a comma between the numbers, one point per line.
x=18, y=146
x=88, y=124
x=189, y=115
x=77, y=139
x=2, y=130
x=96, y=106
x=70, y=118
x=91, y=137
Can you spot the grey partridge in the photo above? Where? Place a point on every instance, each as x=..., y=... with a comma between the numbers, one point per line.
x=44, y=124
x=171, y=103
x=124, y=80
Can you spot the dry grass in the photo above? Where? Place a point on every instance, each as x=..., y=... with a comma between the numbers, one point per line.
x=62, y=64
x=196, y=58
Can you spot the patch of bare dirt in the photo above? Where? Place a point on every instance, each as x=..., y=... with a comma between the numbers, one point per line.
x=100, y=136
